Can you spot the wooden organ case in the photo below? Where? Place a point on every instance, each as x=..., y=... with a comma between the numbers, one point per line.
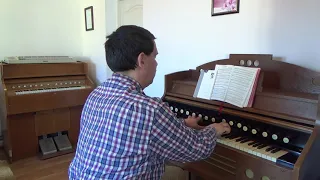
x=41, y=101
x=276, y=139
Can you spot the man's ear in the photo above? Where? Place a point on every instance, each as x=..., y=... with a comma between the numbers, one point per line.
x=141, y=59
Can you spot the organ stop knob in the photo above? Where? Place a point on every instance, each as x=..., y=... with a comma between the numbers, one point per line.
x=286, y=140
x=274, y=136
x=245, y=128
x=265, y=134
x=254, y=131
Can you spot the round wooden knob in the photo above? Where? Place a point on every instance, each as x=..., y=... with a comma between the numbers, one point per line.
x=249, y=173
x=241, y=62
x=256, y=63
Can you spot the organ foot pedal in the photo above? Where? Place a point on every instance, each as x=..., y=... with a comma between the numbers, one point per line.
x=47, y=146
x=62, y=142
x=54, y=145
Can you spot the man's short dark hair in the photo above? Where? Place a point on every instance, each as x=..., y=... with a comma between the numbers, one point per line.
x=124, y=45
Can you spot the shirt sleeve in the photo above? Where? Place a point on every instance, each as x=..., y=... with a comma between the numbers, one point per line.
x=172, y=140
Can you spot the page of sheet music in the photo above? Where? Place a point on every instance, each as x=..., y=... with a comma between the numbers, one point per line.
x=222, y=78
x=240, y=87
x=206, y=84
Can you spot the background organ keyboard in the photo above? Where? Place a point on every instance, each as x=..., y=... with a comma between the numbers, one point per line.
x=48, y=90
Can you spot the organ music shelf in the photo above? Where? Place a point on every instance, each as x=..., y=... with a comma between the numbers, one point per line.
x=305, y=102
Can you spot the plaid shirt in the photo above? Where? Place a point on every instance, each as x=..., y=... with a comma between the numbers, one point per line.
x=125, y=134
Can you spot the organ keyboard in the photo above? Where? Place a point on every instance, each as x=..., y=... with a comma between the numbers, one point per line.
x=20, y=92
x=41, y=104
x=277, y=138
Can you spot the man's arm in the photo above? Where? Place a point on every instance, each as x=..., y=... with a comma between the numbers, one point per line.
x=172, y=140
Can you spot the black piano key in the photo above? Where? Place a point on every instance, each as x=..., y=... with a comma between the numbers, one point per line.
x=245, y=140
x=229, y=135
x=240, y=139
x=270, y=148
x=233, y=137
x=275, y=150
x=288, y=160
x=262, y=146
x=256, y=144
x=253, y=142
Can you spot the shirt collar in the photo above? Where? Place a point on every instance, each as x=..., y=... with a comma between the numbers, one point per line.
x=126, y=80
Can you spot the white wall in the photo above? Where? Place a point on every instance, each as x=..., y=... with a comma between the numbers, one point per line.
x=93, y=41
x=105, y=18
x=40, y=28
x=55, y=28
x=187, y=35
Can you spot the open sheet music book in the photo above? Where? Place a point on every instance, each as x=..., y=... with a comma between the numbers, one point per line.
x=228, y=83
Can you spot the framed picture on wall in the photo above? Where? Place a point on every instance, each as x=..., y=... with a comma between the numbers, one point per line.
x=222, y=7
x=88, y=16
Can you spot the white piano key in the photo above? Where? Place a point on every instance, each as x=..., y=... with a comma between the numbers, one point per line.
x=245, y=147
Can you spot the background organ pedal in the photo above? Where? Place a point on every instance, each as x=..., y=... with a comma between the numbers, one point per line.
x=62, y=142
x=47, y=146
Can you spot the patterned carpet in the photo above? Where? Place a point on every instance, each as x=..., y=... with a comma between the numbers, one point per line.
x=5, y=171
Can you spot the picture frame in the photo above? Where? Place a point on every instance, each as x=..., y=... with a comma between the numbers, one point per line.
x=224, y=7
x=88, y=16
